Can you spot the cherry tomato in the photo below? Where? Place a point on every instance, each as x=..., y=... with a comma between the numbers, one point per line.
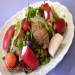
x=29, y=58
x=60, y=25
x=47, y=11
x=25, y=25
x=10, y=60
x=7, y=37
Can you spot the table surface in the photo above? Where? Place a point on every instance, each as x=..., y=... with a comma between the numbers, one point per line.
x=9, y=7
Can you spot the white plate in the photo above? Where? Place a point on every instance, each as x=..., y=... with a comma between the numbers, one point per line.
x=63, y=12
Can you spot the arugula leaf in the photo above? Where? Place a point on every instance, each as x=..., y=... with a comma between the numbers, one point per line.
x=28, y=35
x=14, y=51
x=19, y=43
x=46, y=60
x=31, y=12
x=17, y=26
x=50, y=31
x=55, y=16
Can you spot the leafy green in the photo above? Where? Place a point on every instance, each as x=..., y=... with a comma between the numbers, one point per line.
x=50, y=30
x=19, y=43
x=44, y=59
x=55, y=16
x=17, y=27
x=28, y=34
x=31, y=12
x=14, y=51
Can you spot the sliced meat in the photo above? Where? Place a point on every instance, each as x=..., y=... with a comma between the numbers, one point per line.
x=21, y=35
x=40, y=33
x=18, y=51
x=45, y=52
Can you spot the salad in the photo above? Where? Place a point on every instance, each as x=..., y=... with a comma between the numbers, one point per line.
x=35, y=39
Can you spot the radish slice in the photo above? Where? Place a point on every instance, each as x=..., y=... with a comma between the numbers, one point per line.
x=54, y=44
x=29, y=58
x=8, y=35
x=47, y=11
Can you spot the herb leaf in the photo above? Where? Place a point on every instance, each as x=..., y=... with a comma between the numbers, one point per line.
x=50, y=30
x=31, y=12
x=28, y=35
x=19, y=43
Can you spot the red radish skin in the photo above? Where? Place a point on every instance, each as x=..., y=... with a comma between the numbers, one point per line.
x=60, y=25
x=6, y=40
x=25, y=25
x=29, y=58
x=47, y=11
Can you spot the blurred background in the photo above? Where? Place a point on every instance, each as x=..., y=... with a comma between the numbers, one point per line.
x=10, y=7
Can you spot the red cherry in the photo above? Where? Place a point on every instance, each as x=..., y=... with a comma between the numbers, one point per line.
x=47, y=11
x=60, y=25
